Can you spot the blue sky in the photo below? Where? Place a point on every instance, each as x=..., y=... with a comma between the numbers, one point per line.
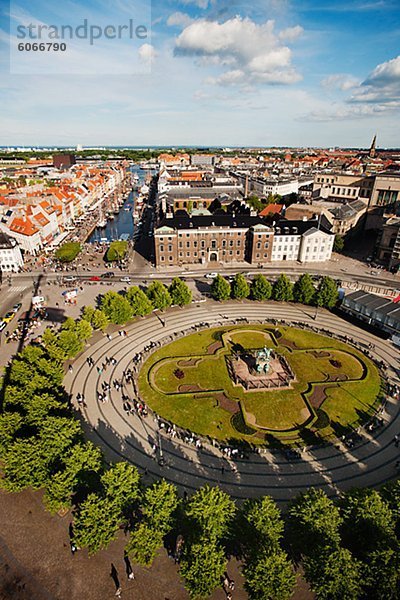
x=209, y=72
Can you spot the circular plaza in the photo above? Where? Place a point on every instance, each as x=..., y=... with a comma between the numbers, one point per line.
x=232, y=395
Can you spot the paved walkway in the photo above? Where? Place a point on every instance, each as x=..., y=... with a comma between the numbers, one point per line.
x=335, y=468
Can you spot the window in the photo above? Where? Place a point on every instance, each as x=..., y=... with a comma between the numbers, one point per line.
x=169, y=248
x=180, y=244
x=170, y=257
x=187, y=244
x=161, y=248
x=213, y=244
x=203, y=244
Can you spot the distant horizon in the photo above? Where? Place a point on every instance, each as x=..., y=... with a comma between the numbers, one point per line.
x=221, y=147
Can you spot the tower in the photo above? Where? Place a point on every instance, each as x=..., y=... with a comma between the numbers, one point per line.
x=372, y=150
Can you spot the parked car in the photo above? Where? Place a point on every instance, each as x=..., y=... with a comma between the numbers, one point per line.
x=69, y=278
x=9, y=316
x=94, y=278
x=16, y=307
x=126, y=279
x=211, y=275
x=107, y=275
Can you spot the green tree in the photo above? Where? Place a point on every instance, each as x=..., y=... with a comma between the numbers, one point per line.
x=261, y=288
x=212, y=511
x=180, y=292
x=117, y=251
x=327, y=294
x=159, y=295
x=334, y=574
x=121, y=485
x=100, y=320
x=68, y=252
x=160, y=503
x=157, y=510
x=303, y=289
x=96, y=523
x=139, y=302
x=116, y=308
x=202, y=567
x=381, y=574
x=143, y=544
x=88, y=313
x=264, y=524
x=367, y=521
x=220, y=288
x=338, y=244
x=69, y=343
x=282, y=290
x=83, y=330
x=81, y=460
x=10, y=424
x=240, y=288
x=313, y=521
x=69, y=324
x=269, y=576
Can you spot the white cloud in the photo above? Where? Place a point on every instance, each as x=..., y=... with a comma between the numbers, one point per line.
x=381, y=87
x=179, y=19
x=340, y=81
x=254, y=53
x=291, y=33
x=147, y=53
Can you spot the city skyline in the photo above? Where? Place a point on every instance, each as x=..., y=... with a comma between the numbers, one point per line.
x=277, y=73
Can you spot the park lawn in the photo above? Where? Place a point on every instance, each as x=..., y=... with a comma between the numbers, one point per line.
x=209, y=374
x=308, y=367
x=209, y=419
x=251, y=339
x=277, y=410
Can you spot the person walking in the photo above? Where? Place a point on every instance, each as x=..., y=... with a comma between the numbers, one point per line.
x=115, y=578
x=129, y=571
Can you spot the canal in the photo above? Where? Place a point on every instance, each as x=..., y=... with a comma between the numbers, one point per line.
x=122, y=223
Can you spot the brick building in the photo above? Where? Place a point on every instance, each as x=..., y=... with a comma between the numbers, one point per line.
x=183, y=239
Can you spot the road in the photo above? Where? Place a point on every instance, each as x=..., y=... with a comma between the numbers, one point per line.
x=334, y=467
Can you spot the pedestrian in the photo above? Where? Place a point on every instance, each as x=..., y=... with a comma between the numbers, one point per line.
x=396, y=440
x=129, y=571
x=70, y=369
x=109, y=336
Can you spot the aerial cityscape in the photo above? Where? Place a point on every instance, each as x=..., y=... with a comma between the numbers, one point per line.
x=200, y=300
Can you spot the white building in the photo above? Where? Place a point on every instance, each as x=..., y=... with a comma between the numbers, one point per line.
x=303, y=241
x=11, y=260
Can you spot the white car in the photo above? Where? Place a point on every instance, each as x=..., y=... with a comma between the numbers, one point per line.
x=211, y=275
x=126, y=279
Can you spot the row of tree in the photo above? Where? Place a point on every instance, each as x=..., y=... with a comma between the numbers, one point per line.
x=282, y=290
x=348, y=549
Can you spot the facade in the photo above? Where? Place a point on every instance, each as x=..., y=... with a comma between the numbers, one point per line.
x=63, y=161
x=184, y=239
x=11, y=260
x=374, y=310
x=386, y=189
x=387, y=250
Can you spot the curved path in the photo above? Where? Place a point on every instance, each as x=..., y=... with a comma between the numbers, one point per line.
x=333, y=467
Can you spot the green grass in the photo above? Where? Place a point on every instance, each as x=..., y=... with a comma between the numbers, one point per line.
x=279, y=412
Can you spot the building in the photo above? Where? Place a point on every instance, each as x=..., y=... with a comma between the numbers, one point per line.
x=11, y=260
x=374, y=310
x=182, y=239
x=387, y=249
x=202, y=160
x=304, y=241
x=63, y=161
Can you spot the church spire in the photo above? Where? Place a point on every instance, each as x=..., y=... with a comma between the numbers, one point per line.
x=372, y=150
